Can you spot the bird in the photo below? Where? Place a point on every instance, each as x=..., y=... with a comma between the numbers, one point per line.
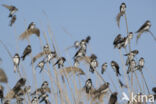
x=141, y=64
x=34, y=100
x=130, y=35
x=121, y=13
x=93, y=63
x=116, y=67
x=41, y=65
x=132, y=66
x=16, y=61
x=102, y=89
x=51, y=56
x=26, y=52
x=88, y=85
x=60, y=62
x=76, y=44
x=30, y=31
x=117, y=41
x=13, y=19
x=144, y=28
x=45, y=99
x=131, y=56
x=11, y=8
x=32, y=25
x=113, y=98
x=3, y=77
x=1, y=93
x=104, y=67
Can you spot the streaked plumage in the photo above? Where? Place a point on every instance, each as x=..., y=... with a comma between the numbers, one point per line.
x=3, y=77
x=11, y=8
x=113, y=98
x=16, y=61
x=121, y=13
x=104, y=67
x=13, y=19
x=93, y=63
x=131, y=56
x=26, y=52
x=60, y=62
x=115, y=67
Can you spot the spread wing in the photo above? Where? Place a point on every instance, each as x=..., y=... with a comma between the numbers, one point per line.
x=3, y=77
x=29, y=32
x=7, y=6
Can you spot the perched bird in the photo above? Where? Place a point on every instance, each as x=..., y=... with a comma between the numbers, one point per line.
x=3, y=77
x=13, y=19
x=60, y=62
x=121, y=13
x=104, y=67
x=131, y=56
x=45, y=99
x=113, y=98
x=1, y=93
x=31, y=25
x=34, y=100
x=130, y=35
x=29, y=31
x=93, y=63
x=145, y=28
x=46, y=48
x=117, y=41
x=132, y=66
x=51, y=56
x=115, y=67
x=41, y=65
x=141, y=64
x=76, y=44
x=16, y=61
x=123, y=42
x=11, y=8
x=26, y=52
x=88, y=85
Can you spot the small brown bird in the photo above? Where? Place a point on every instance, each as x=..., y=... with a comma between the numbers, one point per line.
x=26, y=52
x=121, y=13
x=117, y=41
x=3, y=77
x=145, y=28
x=104, y=67
x=113, y=98
x=116, y=67
x=11, y=8
x=41, y=65
x=13, y=19
x=30, y=31
x=60, y=62
x=16, y=61
x=88, y=85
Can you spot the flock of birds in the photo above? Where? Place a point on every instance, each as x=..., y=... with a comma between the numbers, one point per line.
x=41, y=94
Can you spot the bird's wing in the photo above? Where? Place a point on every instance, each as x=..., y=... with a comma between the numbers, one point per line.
x=141, y=28
x=37, y=56
x=118, y=18
x=29, y=32
x=6, y=6
x=3, y=77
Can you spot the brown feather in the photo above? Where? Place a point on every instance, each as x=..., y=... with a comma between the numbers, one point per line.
x=74, y=70
x=29, y=32
x=7, y=6
x=3, y=77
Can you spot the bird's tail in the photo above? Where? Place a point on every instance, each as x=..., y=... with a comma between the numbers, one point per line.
x=15, y=68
